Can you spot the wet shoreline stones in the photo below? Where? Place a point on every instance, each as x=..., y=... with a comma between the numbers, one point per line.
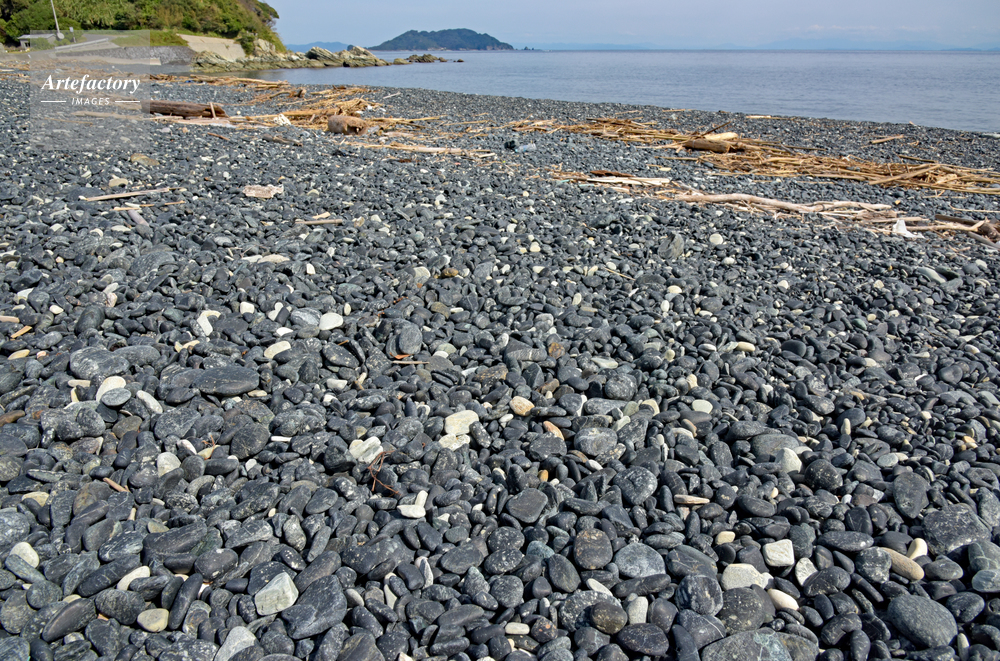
x=489, y=415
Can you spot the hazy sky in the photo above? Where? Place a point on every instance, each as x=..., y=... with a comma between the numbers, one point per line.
x=708, y=23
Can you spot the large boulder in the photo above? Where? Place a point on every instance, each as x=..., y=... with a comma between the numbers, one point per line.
x=353, y=57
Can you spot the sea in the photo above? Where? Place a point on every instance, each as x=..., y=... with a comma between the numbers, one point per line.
x=945, y=89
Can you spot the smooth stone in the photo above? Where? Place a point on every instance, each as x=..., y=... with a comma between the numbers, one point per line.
x=874, y=565
x=804, y=568
x=123, y=606
x=699, y=593
x=249, y=440
x=592, y=549
x=459, y=423
x=276, y=348
x=636, y=484
x=360, y=647
x=276, y=596
x=227, y=381
x=910, y=494
x=412, y=511
x=74, y=616
x=321, y=606
x=742, y=575
x=789, y=460
x=573, y=612
x=239, y=638
x=647, y=639
x=986, y=580
x=461, y=558
x=702, y=405
x=25, y=551
x=365, y=451
x=924, y=622
x=16, y=649
x=983, y=555
x=110, y=383
x=14, y=527
x=779, y=554
x=521, y=406
x=782, y=599
x=826, y=581
x=759, y=646
x=166, y=462
x=952, y=527
x=903, y=566
x=454, y=441
x=528, y=505
x=743, y=609
x=637, y=560
x=608, y=617
x=330, y=320
x=847, y=541
x=594, y=442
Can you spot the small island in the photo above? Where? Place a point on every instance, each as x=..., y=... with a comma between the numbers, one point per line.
x=460, y=39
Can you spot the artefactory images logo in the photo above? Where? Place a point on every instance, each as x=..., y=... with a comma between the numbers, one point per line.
x=87, y=90
x=90, y=91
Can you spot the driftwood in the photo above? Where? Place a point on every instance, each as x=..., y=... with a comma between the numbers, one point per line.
x=346, y=125
x=118, y=196
x=716, y=146
x=817, y=207
x=761, y=157
x=183, y=109
x=874, y=216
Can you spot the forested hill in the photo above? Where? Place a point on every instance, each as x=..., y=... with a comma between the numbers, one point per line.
x=460, y=39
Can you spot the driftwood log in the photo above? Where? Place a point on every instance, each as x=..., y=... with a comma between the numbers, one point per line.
x=347, y=125
x=183, y=109
x=716, y=146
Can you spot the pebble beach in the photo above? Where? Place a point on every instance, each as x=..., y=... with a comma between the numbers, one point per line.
x=465, y=406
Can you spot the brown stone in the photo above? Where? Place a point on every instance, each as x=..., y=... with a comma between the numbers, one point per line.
x=552, y=429
x=520, y=405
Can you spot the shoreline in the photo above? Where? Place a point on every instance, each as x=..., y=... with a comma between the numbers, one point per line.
x=445, y=396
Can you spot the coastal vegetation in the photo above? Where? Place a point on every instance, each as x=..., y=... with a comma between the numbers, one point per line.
x=243, y=20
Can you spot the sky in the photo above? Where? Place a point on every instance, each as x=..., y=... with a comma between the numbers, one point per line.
x=659, y=23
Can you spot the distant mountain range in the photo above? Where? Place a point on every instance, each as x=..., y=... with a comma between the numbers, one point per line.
x=786, y=44
x=460, y=39
x=329, y=45
x=855, y=44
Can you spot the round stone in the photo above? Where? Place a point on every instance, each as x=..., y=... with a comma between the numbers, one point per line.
x=608, y=617
x=699, y=593
x=153, y=620
x=592, y=549
x=924, y=622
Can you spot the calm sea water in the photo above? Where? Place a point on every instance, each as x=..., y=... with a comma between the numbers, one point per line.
x=956, y=90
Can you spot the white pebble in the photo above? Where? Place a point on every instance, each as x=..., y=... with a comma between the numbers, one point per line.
x=276, y=348
x=330, y=320
x=779, y=554
x=782, y=600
